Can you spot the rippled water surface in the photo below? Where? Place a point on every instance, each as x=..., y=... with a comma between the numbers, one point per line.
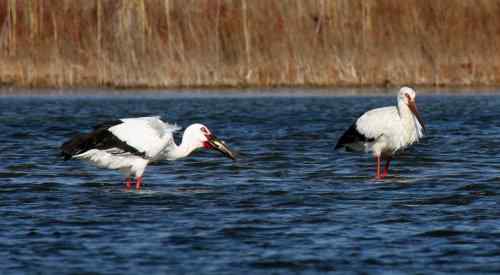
x=290, y=204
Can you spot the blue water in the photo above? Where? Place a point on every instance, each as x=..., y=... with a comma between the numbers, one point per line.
x=290, y=204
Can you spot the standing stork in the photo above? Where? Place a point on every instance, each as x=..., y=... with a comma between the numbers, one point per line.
x=130, y=144
x=384, y=131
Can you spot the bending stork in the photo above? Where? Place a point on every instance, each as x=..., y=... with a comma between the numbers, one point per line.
x=130, y=144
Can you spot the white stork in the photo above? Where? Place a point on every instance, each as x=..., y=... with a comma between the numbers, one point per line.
x=384, y=131
x=130, y=144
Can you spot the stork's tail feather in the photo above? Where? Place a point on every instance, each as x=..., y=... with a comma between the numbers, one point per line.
x=352, y=135
x=65, y=156
x=100, y=139
x=74, y=146
x=347, y=137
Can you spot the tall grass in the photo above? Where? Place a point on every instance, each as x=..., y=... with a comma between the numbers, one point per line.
x=171, y=43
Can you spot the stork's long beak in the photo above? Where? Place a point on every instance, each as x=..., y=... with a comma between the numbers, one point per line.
x=413, y=108
x=221, y=146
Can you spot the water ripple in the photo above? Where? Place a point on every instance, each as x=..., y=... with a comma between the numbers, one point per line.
x=290, y=204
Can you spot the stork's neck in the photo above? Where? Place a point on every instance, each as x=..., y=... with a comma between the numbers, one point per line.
x=404, y=111
x=179, y=151
x=407, y=118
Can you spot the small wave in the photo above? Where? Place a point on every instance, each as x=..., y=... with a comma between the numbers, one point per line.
x=479, y=189
x=452, y=200
x=12, y=174
x=22, y=167
x=441, y=233
x=394, y=221
x=294, y=264
x=44, y=187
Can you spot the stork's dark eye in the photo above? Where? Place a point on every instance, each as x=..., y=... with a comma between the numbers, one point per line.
x=204, y=130
x=408, y=97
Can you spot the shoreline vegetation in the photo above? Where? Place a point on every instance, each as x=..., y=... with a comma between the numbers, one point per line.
x=171, y=44
x=242, y=92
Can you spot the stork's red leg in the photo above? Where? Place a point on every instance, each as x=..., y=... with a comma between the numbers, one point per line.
x=129, y=183
x=378, y=167
x=386, y=168
x=138, y=183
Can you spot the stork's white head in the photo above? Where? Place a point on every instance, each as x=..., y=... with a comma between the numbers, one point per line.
x=199, y=136
x=407, y=96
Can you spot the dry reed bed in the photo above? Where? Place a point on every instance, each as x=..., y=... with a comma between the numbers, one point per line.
x=172, y=43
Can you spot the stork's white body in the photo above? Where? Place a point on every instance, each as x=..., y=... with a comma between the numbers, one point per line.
x=392, y=128
x=127, y=164
x=148, y=135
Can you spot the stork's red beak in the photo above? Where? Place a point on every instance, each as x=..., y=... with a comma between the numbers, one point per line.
x=219, y=145
x=413, y=108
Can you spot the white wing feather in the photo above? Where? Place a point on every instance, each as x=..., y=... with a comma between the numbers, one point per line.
x=420, y=129
x=378, y=122
x=147, y=134
x=386, y=127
